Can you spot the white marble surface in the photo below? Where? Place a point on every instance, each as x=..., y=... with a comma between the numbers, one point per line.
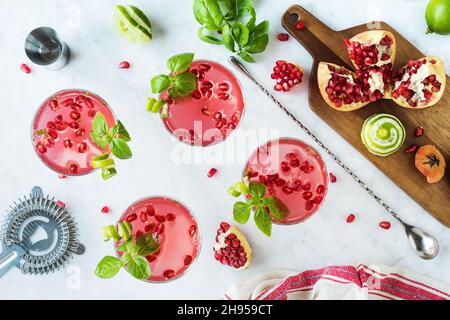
x=324, y=239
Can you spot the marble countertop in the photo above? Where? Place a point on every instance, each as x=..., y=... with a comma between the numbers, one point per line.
x=325, y=239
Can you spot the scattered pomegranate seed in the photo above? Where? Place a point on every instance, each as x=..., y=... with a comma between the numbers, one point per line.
x=333, y=178
x=413, y=148
x=351, y=218
x=283, y=37
x=160, y=218
x=150, y=210
x=73, y=169
x=320, y=189
x=192, y=230
x=300, y=25
x=62, y=177
x=143, y=216
x=150, y=258
x=124, y=65
x=212, y=172
x=91, y=113
x=61, y=204
x=25, y=68
x=287, y=75
x=150, y=228
x=419, y=132
x=105, y=209
x=385, y=225
x=170, y=217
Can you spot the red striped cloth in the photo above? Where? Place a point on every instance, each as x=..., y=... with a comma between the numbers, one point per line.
x=341, y=282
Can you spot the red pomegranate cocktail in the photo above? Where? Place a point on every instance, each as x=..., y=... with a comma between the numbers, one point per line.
x=212, y=112
x=176, y=231
x=294, y=173
x=61, y=130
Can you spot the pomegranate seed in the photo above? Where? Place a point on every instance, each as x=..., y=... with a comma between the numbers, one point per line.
x=73, y=169
x=320, y=189
x=318, y=199
x=413, y=148
x=150, y=258
x=351, y=218
x=138, y=234
x=299, y=25
x=187, y=260
x=169, y=273
x=306, y=186
x=82, y=147
x=307, y=195
x=143, y=216
x=74, y=125
x=75, y=115
x=309, y=205
x=287, y=190
x=170, y=217
x=62, y=177
x=160, y=218
x=51, y=125
x=25, y=68
x=88, y=101
x=224, y=86
x=105, y=209
x=150, y=210
x=67, y=102
x=124, y=65
x=385, y=225
x=285, y=166
x=160, y=228
x=91, y=113
x=54, y=104
x=196, y=95
x=204, y=67
x=333, y=178
x=212, y=172
x=52, y=134
x=150, y=228
x=419, y=132
x=295, y=163
x=131, y=217
x=224, y=226
x=67, y=143
x=193, y=230
x=283, y=37
x=41, y=147
x=80, y=132
x=61, y=204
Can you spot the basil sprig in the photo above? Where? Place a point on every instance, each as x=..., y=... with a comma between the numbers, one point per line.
x=116, y=137
x=178, y=83
x=133, y=252
x=264, y=207
x=232, y=23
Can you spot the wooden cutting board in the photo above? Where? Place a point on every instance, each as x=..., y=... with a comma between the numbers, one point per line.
x=327, y=45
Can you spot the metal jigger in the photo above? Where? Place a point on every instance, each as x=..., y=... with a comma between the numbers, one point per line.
x=44, y=47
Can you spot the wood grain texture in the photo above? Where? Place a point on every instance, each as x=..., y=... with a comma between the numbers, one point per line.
x=325, y=44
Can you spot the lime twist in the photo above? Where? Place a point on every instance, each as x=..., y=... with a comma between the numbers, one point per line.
x=132, y=24
x=383, y=134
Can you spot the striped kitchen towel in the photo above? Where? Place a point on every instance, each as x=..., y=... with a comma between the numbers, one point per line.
x=340, y=283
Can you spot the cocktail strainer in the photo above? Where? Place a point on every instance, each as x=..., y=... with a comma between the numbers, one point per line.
x=38, y=236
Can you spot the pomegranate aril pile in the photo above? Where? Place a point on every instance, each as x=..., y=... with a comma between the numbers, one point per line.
x=229, y=250
x=367, y=55
x=287, y=75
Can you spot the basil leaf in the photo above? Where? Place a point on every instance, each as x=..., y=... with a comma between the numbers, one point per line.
x=275, y=208
x=263, y=221
x=108, y=267
x=240, y=34
x=246, y=57
x=231, y=9
x=254, y=201
x=100, y=139
x=186, y=82
x=120, y=149
x=247, y=11
x=147, y=245
x=207, y=37
x=125, y=258
x=99, y=125
x=180, y=62
x=227, y=38
x=241, y=212
x=123, y=133
x=113, y=131
x=259, y=30
x=208, y=13
x=139, y=268
x=159, y=83
x=257, y=189
x=258, y=45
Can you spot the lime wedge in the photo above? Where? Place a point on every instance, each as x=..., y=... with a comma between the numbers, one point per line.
x=106, y=163
x=129, y=28
x=140, y=17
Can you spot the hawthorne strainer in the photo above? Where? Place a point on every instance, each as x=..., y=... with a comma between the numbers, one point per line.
x=38, y=236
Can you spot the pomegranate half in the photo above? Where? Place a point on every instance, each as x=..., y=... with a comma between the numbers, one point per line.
x=232, y=248
x=420, y=84
x=374, y=48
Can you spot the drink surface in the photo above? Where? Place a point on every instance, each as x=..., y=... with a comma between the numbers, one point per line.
x=176, y=230
x=61, y=131
x=212, y=112
x=294, y=173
